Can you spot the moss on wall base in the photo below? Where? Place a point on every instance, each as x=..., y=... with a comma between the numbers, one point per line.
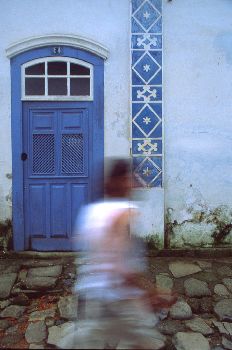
x=6, y=237
x=154, y=241
x=200, y=228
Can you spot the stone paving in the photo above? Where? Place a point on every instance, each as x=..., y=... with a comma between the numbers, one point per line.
x=37, y=307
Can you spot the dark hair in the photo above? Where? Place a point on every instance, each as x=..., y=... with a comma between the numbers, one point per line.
x=120, y=169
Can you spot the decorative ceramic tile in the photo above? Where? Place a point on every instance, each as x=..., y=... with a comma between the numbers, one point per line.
x=151, y=108
x=157, y=4
x=147, y=171
x=146, y=68
x=146, y=147
x=146, y=93
x=146, y=60
x=146, y=15
x=138, y=132
x=146, y=119
x=146, y=41
x=136, y=28
x=157, y=27
x=136, y=4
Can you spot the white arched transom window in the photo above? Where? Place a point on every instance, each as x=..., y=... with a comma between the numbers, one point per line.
x=59, y=78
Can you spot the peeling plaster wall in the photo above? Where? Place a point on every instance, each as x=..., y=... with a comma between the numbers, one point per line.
x=198, y=124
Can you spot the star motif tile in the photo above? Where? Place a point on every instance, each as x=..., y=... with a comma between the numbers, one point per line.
x=146, y=15
x=146, y=171
x=152, y=120
x=146, y=68
x=141, y=129
x=147, y=120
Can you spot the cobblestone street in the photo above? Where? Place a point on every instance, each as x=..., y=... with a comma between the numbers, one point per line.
x=37, y=304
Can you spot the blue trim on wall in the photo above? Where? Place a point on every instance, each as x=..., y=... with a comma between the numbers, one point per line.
x=17, y=128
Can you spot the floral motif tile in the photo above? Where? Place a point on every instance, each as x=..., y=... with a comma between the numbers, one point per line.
x=147, y=147
x=146, y=93
x=146, y=41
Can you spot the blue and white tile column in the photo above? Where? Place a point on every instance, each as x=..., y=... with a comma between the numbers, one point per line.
x=146, y=60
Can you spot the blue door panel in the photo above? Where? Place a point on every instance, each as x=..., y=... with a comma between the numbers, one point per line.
x=58, y=203
x=37, y=209
x=79, y=197
x=71, y=120
x=52, y=244
x=42, y=120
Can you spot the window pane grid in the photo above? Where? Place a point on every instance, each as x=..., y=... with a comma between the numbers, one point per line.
x=35, y=76
x=61, y=83
x=57, y=76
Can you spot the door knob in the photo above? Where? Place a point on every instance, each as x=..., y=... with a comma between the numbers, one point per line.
x=23, y=156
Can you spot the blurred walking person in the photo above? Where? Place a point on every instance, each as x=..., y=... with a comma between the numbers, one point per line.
x=115, y=310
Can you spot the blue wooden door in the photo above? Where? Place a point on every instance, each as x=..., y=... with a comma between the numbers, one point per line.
x=57, y=163
x=57, y=143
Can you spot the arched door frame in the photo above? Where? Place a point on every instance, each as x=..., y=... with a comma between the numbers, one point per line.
x=50, y=46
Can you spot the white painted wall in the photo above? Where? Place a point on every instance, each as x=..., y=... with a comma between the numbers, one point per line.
x=198, y=110
x=150, y=221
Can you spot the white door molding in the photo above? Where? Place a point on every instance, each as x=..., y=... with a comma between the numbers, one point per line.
x=57, y=39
